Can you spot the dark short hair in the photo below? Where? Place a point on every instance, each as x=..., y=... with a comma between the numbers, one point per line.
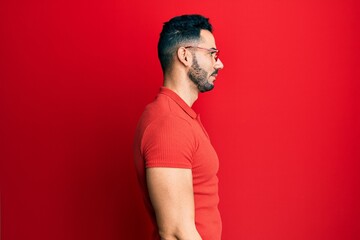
x=177, y=32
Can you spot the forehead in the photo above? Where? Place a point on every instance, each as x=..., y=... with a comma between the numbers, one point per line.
x=207, y=38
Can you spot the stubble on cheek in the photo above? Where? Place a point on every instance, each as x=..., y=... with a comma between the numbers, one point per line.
x=200, y=77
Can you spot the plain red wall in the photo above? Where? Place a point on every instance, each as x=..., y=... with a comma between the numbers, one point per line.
x=284, y=116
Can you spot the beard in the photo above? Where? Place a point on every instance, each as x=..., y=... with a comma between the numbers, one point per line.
x=200, y=77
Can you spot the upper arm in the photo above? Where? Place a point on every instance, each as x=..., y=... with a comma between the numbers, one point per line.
x=171, y=194
x=168, y=147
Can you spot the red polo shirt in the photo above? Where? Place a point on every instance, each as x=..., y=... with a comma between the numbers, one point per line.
x=170, y=134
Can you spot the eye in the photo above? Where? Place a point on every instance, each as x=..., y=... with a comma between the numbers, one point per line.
x=214, y=54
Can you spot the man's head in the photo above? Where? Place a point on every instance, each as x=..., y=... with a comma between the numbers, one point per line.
x=189, y=39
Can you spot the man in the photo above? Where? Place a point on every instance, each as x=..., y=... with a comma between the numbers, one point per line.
x=175, y=161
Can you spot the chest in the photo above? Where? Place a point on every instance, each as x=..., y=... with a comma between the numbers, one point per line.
x=205, y=159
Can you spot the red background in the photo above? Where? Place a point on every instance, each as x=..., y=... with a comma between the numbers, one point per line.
x=284, y=116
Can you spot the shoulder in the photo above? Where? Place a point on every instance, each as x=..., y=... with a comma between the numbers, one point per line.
x=163, y=119
x=169, y=141
x=164, y=113
x=169, y=125
x=169, y=131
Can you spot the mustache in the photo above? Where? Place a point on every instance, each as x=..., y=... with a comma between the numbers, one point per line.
x=215, y=72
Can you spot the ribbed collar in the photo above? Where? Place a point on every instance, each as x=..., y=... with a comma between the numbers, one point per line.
x=179, y=101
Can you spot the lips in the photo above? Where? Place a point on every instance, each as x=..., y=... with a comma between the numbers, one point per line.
x=214, y=78
x=214, y=74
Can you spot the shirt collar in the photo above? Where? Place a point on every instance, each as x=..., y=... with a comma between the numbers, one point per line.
x=179, y=101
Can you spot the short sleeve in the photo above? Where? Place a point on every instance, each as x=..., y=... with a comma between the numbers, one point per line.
x=169, y=142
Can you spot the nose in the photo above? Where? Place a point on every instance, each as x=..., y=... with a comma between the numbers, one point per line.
x=219, y=64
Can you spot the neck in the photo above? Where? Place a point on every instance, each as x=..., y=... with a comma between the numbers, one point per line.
x=182, y=86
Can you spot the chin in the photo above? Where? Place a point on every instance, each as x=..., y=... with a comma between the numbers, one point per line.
x=206, y=87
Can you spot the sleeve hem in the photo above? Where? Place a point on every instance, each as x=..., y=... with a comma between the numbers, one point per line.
x=169, y=165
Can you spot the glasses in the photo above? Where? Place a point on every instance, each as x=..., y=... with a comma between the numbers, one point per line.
x=213, y=51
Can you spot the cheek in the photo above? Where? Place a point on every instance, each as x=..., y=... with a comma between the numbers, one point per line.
x=204, y=66
x=208, y=67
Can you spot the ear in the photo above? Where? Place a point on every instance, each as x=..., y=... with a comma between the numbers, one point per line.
x=184, y=56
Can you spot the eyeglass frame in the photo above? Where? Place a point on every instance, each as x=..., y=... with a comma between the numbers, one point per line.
x=211, y=50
